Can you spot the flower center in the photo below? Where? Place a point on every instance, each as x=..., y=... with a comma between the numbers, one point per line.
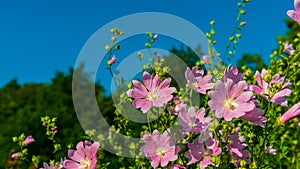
x=229, y=104
x=152, y=96
x=86, y=164
x=160, y=151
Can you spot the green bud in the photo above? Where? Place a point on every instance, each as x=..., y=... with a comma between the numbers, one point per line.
x=267, y=78
x=148, y=45
x=107, y=47
x=212, y=22
x=230, y=53
x=231, y=38
x=213, y=32
x=15, y=139
x=117, y=47
x=129, y=85
x=238, y=35
x=242, y=12
x=239, y=4
x=208, y=35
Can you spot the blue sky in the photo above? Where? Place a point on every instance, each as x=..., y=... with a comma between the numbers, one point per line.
x=39, y=37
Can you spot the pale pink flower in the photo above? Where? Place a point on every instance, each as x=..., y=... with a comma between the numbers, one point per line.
x=206, y=59
x=197, y=81
x=295, y=14
x=288, y=48
x=270, y=150
x=255, y=116
x=54, y=129
x=232, y=73
x=152, y=93
x=267, y=90
x=175, y=109
x=203, y=151
x=231, y=100
x=177, y=166
x=237, y=147
x=51, y=166
x=15, y=155
x=155, y=36
x=159, y=148
x=293, y=112
x=83, y=157
x=28, y=140
x=112, y=60
x=193, y=121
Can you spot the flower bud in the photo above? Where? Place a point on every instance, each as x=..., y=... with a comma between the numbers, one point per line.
x=107, y=47
x=28, y=140
x=243, y=24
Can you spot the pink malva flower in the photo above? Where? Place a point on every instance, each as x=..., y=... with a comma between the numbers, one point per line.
x=231, y=100
x=206, y=59
x=197, y=81
x=159, y=148
x=288, y=48
x=295, y=14
x=54, y=129
x=232, y=73
x=175, y=109
x=255, y=116
x=293, y=112
x=155, y=36
x=28, y=140
x=177, y=166
x=15, y=155
x=270, y=150
x=51, y=166
x=236, y=147
x=267, y=90
x=193, y=121
x=83, y=157
x=152, y=94
x=112, y=60
x=197, y=150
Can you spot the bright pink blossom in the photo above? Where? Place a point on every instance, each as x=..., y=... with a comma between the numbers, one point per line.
x=232, y=73
x=295, y=14
x=203, y=151
x=197, y=81
x=28, y=140
x=193, y=121
x=288, y=48
x=83, y=157
x=51, y=166
x=293, y=112
x=230, y=100
x=267, y=90
x=151, y=93
x=159, y=148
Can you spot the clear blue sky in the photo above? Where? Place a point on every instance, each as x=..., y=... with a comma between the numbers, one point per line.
x=39, y=37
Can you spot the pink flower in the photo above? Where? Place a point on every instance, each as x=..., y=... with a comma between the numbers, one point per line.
x=192, y=121
x=28, y=140
x=83, y=157
x=159, y=148
x=293, y=112
x=175, y=109
x=206, y=59
x=255, y=116
x=15, y=155
x=237, y=146
x=197, y=151
x=112, y=60
x=54, y=129
x=157, y=55
x=155, y=36
x=288, y=48
x=267, y=90
x=51, y=166
x=232, y=73
x=295, y=15
x=230, y=100
x=270, y=150
x=177, y=166
x=152, y=94
x=197, y=81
